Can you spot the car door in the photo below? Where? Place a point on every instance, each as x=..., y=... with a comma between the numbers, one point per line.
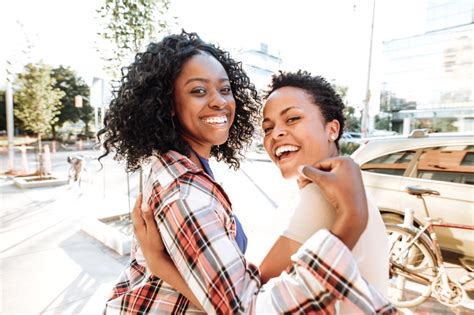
x=382, y=178
x=450, y=171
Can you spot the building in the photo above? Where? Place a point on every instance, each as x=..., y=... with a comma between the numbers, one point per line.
x=259, y=64
x=428, y=78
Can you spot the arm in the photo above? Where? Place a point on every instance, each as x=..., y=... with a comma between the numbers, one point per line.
x=310, y=213
x=341, y=184
x=278, y=258
x=158, y=260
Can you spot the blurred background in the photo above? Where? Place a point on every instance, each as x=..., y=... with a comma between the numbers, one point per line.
x=400, y=66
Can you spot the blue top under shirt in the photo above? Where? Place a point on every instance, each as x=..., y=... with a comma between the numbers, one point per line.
x=240, y=236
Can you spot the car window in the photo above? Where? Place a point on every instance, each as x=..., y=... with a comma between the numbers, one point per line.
x=392, y=164
x=453, y=164
x=468, y=159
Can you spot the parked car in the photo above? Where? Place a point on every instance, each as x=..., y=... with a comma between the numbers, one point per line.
x=354, y=135
x=443, y=162
x=351, y=136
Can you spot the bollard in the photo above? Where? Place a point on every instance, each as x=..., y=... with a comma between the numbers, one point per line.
x=80, y=145
x=24, y=161
x=47, y=159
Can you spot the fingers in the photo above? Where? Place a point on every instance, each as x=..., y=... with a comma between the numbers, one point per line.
x=149, y=232
x=137, y=211
x=149, y=218
x=335, y=162
x=312, y=173
x=138, y=202
x=137, y=220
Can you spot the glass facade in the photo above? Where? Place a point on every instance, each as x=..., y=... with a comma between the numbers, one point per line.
x=428, y=78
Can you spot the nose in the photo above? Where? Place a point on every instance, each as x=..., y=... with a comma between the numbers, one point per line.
x=218, y=101
x=278, y=132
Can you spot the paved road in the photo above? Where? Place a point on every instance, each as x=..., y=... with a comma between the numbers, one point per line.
x=50, y=266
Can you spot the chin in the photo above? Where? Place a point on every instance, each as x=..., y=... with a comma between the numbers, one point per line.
x=289, y=174
x=221, y=140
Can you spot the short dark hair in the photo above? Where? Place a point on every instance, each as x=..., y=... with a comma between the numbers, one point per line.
x=324, y=96
x=139, y=121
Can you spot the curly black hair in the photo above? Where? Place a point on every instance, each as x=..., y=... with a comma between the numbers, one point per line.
x=324, y=96
x=139, y=123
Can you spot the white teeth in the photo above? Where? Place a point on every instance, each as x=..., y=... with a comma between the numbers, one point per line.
x=216, y=120
x=285, y=148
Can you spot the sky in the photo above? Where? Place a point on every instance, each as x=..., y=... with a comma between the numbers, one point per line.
x=329, y=38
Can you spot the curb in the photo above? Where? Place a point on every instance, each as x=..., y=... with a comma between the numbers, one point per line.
x=109, y=236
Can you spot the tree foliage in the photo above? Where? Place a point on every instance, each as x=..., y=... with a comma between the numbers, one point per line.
x=127, y=25
x=71, y=84
x=37, y=101
x=352, y=123
x=382, y=123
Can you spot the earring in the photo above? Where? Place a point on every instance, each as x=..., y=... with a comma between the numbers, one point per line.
x=333, y=137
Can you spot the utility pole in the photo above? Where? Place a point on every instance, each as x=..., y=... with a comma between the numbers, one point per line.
x=365, y=113
x=10, y=122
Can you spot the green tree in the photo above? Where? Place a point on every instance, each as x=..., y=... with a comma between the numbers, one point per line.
x=37, y=102
x=127, y=25
x=71, y=84
x=382, y=123
x=352, y=123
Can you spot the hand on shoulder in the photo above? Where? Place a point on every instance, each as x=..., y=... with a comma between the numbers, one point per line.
x=340, y=181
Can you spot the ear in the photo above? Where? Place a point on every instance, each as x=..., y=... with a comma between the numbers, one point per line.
x=332, y=129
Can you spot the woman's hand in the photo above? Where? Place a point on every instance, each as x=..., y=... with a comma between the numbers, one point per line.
x=146, y=230
x=340, y=181
x=158, y=261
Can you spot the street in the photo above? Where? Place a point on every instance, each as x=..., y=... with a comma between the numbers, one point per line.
x=50, y=266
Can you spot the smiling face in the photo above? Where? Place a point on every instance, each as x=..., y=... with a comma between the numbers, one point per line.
x=204, y=104
x=295, y=131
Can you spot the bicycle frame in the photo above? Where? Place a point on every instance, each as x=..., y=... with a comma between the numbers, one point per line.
x=446, y=290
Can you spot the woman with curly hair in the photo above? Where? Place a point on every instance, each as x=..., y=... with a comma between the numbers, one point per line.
x=181, y=102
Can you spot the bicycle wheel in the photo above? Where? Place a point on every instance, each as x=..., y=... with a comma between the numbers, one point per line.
x=412, y=270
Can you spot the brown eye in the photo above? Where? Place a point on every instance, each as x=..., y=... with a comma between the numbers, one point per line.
x=293, y=119
x=199, y=90
x=226, y=90
x=267, y=131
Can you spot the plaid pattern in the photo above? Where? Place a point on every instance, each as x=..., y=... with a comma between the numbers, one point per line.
x=195, y=219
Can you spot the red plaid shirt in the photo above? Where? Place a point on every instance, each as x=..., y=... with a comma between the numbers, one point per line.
x=195, y=219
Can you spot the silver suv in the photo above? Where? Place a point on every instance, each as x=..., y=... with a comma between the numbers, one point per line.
x=443, y=162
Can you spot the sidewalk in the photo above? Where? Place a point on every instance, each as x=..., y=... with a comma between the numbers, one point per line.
x=48, y=265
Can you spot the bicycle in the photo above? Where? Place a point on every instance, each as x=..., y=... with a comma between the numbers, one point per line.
x=417, y=268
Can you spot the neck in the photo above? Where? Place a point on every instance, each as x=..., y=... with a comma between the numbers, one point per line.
x=202, y=152
x=302, y=182
x=333, y=152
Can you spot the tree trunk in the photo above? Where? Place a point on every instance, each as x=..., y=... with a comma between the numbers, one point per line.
x=53, y=132
x=86, y=127
x=40, y=158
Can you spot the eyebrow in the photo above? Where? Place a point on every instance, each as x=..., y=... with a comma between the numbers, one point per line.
x=283, y=112
x=204, y=80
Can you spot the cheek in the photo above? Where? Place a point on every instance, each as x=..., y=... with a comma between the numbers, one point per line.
x=266, y=145
x=233, y=108
x=317, y=149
